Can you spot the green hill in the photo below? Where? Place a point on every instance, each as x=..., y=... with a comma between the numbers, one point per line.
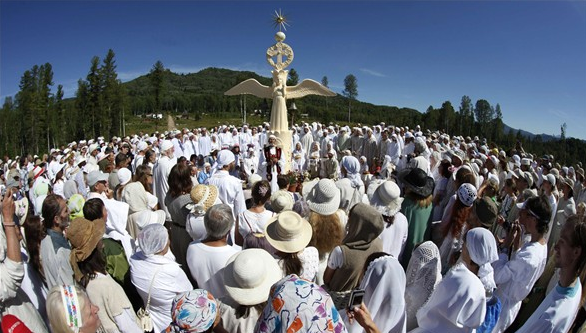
x=201, y=95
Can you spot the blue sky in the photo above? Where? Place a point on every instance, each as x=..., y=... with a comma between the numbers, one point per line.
x=530, y=57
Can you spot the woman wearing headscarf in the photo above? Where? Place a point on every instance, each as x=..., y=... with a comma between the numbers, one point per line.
x=195, y=311
x=89, y=267
x=454, y=231
x=155, y=273
x=298, y=154
x=423, y=275
x=384, y=286
x=314, y=161
x=297, y=305
x=351, y=186
x=346, y=261
x=458, y=303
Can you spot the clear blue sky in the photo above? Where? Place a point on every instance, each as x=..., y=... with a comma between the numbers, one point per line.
x=530, y=57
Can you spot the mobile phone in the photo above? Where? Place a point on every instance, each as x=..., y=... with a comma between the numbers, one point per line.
x=356, y=297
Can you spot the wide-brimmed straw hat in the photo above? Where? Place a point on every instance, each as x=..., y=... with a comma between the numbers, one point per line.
x=203, y=197
x=249, y=275
x=417, y=181
x=385, y=196
x=288, y=232
x=324, y=197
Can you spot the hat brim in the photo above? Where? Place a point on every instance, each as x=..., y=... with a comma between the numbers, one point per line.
x=326, y=208
x=259, y=293
x=287, y=246
x=375, y=200
x=423, y=191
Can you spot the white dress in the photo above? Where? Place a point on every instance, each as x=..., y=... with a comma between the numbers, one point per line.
x=458, y=304
x=515, y=279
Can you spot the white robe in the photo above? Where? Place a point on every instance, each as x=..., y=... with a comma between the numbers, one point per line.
x=457, y=304
x=161, y=172
x=204, y=145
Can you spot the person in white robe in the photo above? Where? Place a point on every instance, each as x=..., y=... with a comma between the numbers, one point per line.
x=298, y=158
x=515, y=275
x=384, y=286
x=458, y=303
x=229, y=187
x=204, y=143
x=423, y=275
x=153, y=271
x=306, y=140
x=161, y=172
x=557, y=311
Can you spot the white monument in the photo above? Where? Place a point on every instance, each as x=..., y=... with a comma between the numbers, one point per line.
x=280, y=56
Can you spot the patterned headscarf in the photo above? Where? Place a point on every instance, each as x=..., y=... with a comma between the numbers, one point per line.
x=299, y=305
x=193, y=311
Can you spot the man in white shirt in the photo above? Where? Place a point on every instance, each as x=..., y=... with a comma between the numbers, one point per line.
x=161, y=172
x=229, y=187
x=206, y=259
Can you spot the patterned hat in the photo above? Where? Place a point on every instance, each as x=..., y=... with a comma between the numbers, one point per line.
x=297, y=305
x=193, y=311
x=467, y=194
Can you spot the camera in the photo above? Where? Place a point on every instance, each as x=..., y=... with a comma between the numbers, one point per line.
x=356, y=297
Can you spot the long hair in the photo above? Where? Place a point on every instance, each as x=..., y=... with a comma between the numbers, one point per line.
x=291, y=263
x=95, y=263
x=180, y=180
x=327, y=232
x=421, y=201
x=456, y=224
x=142, y=173
x=34, y=234
x=578, y=239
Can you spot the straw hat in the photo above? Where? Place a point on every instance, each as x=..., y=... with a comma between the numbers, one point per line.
x=385, y=196
x=281, y=200
x=324, y=197
x=249, y=275
x=288, y=232
x=204, y=197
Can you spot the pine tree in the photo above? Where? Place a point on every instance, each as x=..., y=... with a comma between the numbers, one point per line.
x=350, y=91
x=157, y=78
x=94, y=97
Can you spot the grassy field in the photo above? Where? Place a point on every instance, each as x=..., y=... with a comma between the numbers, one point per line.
x=136, y=124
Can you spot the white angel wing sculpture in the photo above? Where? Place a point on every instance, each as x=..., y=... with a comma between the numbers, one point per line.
x=308, y=87
x=251, y=86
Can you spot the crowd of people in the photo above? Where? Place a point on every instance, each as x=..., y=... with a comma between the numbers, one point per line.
x=217, y=230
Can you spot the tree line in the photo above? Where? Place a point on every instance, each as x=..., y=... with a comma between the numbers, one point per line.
x=38, y=118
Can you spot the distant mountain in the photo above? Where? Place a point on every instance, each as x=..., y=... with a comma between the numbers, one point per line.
x=544, y=137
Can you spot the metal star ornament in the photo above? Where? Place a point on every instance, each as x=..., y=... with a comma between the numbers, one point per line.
x=280, y=20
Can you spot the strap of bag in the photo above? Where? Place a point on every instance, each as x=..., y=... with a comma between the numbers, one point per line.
x=148, y=305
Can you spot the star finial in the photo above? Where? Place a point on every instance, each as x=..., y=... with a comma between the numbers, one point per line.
x=280, y=20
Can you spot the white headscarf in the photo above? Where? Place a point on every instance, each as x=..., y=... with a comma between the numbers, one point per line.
x=352, y=166
x=152, y=239
x=423, y=274
x=482, y=248
x=384, y=285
